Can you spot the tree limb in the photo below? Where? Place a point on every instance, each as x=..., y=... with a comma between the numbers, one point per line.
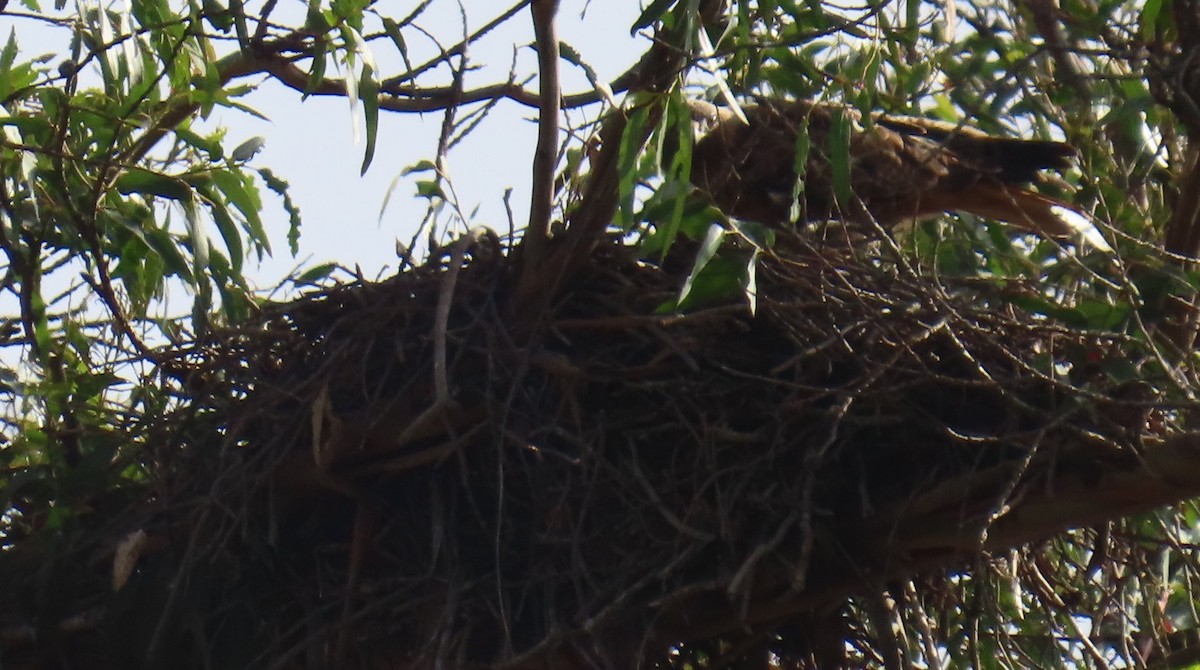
x=545, y=156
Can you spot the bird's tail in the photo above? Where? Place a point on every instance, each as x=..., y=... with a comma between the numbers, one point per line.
x=1033, y=212
x=1010, y=158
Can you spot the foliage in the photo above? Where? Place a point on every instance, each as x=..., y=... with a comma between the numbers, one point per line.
x=111, y=181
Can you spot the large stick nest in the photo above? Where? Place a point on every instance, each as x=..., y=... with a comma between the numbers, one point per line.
x=402, y=471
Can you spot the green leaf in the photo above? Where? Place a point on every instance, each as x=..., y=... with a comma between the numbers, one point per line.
x=226, y=226
x=209, y=145
x=37, y=313
x=1150, y=17
x=241, y=192
x=316, y=274
x=420, y=166
x=751, y=285
x=677, y=120
x=145, y=182
x=801, y=151
x=368, y=91
x=393, y=31
x=280, y=187
x=1100, y=314
x=653, y=12
x=320, y=61
x=225, y=101
x=839, y=157
x=218, y=15
x=629, y=151
x=246, y=150
x=9, y=54
x=165, y=246
x=430, y=188
x=724, y=279
x=198, y=238
x=708, y=249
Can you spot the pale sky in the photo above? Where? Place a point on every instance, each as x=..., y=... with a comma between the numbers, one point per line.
x=310, y=144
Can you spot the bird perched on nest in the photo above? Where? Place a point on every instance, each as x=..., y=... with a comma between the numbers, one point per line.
x=900, y=168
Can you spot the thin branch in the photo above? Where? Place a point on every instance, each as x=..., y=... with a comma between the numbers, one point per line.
x=455, y=50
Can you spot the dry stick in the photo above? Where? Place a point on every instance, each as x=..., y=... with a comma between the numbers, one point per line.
x=881, y=613
x=366, y=518
x=455, y=50
x=924, y=624
x=533, y=248
x=423, y=99
x=458, y=255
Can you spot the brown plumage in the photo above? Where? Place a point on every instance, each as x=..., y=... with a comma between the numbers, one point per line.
x=902, y=168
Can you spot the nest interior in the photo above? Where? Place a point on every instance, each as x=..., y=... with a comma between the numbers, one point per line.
x=382, y=474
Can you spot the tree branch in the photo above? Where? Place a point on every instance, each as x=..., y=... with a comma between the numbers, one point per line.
x=656, y=72
x=545, y=156
x=916, y=537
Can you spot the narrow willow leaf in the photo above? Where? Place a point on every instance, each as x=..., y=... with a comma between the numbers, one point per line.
x=246, y=150
x=677, y=120
x=361, y=49
x=129, y=46
x=352, y=97
x=280, y=187
x=420, y=166
x=320, y=61
x=145, y=182
x=242, y=194
x=9, y=55
x=167, y=250
x=209, y=145
x=1149, y=18
x=712, y=243
x=226, y=226
x=653, y=12
x=109, y=57
x=316, y=274
x=839, y=157
x=752, y=282
x=37, y=309
x=802, y=149
x=218, y=15
x=198, y=238
x=226, y=102
x=387, y=196
x=27, y=164
x=628, y=152
x=393, y=30
x=369, y=90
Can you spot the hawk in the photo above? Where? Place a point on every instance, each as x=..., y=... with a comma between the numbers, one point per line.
x=900, y=169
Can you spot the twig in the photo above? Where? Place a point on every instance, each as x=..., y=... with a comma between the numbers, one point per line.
x=746, y=570
x=458, y=253
x=668, y=515
x=454, y=50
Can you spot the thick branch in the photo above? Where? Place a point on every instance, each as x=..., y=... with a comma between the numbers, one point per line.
x=656, y=72
x=917, y=537
x=546, y=155
x=1182, y=238
x=270, y=58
